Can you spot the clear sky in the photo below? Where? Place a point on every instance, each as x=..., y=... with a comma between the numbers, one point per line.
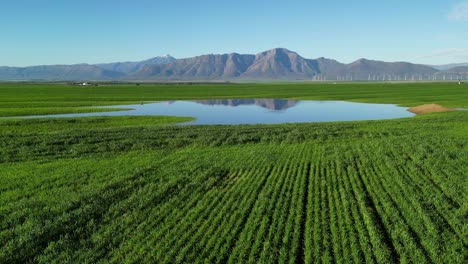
x=91, y=31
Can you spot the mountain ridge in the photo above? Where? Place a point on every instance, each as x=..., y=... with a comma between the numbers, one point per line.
x=445, y=67
x=273, y=64
x=58, y=72
x=128, y=67
x=280, y=64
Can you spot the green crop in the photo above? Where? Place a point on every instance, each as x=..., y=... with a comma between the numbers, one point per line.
x=37, y=99
x=139, y=190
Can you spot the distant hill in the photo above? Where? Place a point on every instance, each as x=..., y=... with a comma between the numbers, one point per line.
x=104, y=71
x=129, y=67
x=459, y=69
x=367, y=69
x=58, y=73
x=447, y=66
x=274, y=64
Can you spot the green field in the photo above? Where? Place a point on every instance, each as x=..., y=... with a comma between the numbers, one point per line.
x=139, y=190
x=32, y=99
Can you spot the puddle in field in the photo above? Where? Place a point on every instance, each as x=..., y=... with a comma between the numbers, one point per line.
x=257, y=111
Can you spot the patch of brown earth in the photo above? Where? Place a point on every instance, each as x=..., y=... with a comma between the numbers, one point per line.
x=429, y=108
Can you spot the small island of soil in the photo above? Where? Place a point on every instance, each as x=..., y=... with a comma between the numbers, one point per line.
x=429, y=108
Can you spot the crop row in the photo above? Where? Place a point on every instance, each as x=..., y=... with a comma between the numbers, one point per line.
x=292, y=195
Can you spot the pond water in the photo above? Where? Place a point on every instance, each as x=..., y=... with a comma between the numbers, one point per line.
x=257, y=111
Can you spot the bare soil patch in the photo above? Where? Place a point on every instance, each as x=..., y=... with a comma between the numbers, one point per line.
x=429, y=108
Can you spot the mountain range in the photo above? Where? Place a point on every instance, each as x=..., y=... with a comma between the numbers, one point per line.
x=130, y=67
x=274, y=64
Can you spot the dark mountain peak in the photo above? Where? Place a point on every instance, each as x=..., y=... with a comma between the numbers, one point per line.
x=323, y=59
x=234, y=55
x=280, y=63
x=159, y=59
x=283, y=50
x=366, y=65
x=362, y=61
x=277, y=52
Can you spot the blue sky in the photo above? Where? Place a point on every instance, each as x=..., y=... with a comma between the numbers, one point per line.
x=91, y=31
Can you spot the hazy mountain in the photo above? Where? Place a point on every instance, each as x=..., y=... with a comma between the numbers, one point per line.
x=364, y=65
x=129, y=67
x=58, y=72
x=105, y=71
x=364, y=69
x=447, y=66
x=459, y=69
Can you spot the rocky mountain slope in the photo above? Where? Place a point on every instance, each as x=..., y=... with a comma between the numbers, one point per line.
x=274, y=64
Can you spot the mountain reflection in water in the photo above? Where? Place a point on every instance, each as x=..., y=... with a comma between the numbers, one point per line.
x=271, y=104
x=257, y=111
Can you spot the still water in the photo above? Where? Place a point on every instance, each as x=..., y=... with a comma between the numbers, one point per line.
x=258, y=111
